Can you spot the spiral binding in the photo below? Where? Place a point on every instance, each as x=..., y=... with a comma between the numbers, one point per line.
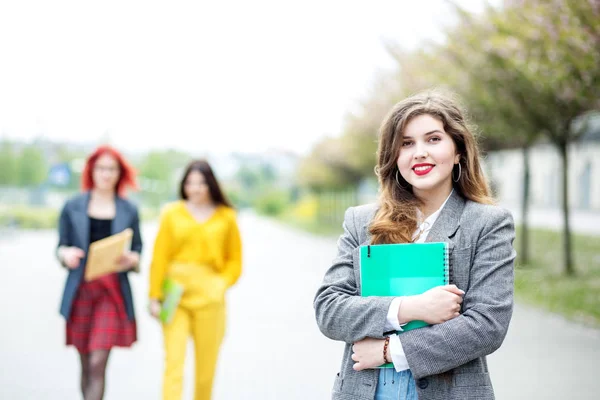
x=448, y=275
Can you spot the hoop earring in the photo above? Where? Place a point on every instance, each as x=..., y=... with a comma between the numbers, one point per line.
x=398, y=181
x=459, y=173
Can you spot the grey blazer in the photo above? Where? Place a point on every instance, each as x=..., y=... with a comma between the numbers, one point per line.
x=74, y=230
x=447, y=360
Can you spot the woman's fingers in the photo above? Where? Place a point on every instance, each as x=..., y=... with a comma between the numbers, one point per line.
x=154, y=308
x=453, y=289
x=78, y=252
x=72, y=262
x=72, y=257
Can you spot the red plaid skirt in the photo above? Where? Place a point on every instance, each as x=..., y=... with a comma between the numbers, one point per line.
x=98, y=319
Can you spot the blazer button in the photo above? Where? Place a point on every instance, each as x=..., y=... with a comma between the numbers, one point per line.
x=423, y=383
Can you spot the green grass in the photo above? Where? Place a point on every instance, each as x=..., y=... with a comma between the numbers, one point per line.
x=26, y=217
x=544, y=283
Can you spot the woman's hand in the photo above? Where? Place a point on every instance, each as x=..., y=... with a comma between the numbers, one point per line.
x=154, y=308
x=128, y=260
x=437, y=305
x=368, y=353
x=70, y=256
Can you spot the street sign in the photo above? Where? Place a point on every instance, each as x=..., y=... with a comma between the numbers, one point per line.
x=59, y=174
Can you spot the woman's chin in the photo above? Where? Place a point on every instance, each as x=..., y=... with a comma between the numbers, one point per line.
x=105, y=187
x=197, y=200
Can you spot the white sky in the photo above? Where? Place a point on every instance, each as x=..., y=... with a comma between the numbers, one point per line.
x=214, y=76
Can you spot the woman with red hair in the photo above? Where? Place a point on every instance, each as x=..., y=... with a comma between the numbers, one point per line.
x=99, y=313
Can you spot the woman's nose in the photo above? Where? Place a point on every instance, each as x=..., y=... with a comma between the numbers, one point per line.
x=421, y=152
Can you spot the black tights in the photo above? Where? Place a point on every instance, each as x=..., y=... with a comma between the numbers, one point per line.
x=93, y=370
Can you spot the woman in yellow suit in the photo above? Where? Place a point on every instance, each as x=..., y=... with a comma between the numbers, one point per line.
x=198, y=246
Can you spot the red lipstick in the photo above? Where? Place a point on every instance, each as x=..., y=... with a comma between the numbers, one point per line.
x=422, y=169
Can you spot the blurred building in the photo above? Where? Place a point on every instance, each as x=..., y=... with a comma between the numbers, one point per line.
x=505, y=169
x=282, y=165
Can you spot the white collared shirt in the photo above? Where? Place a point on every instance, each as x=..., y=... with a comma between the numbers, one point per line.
x=392, y=323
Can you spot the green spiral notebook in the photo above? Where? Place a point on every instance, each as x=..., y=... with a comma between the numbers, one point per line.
x=405, y=269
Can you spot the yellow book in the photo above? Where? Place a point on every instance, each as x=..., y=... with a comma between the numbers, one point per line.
x=104, y=254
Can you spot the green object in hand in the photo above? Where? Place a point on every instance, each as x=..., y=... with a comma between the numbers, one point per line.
x=405, y=269
x=172, y=292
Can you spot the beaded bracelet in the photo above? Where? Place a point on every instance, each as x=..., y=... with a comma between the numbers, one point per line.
x=386, y=343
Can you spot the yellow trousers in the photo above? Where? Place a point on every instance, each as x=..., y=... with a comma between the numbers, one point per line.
x=205, y=323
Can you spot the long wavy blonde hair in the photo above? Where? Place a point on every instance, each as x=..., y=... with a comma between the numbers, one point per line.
x=396, y=219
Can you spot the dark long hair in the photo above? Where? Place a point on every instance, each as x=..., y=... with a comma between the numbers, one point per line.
x=202, y=166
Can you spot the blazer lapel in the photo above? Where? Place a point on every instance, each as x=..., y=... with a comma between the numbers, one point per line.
x=448, y=221
x=121, y=221
x=80, y=219
x=444, y=227
x=364, y=234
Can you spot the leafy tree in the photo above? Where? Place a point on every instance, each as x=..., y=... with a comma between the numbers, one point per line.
x=8, y=164
x=32, y=166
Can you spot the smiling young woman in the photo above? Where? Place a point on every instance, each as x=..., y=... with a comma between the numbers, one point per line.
x=198, y=245
x=432, y=188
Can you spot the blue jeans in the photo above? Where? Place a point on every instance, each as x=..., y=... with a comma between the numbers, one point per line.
x=394, y=385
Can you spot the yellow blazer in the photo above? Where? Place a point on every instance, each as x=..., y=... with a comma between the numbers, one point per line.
x=196, y=251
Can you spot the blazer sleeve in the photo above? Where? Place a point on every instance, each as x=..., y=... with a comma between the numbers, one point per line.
x=341, y=313
x=64, y=228
x=136, y=241
x=487, y=306
x=65, y=231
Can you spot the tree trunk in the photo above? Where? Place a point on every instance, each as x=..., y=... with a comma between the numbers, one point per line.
x=568, y=258
x=524, y=256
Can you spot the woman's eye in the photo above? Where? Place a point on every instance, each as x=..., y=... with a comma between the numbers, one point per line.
x=434, y=139
x=406, y=144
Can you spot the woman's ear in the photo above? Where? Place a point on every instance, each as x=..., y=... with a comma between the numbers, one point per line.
x=457, y=158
